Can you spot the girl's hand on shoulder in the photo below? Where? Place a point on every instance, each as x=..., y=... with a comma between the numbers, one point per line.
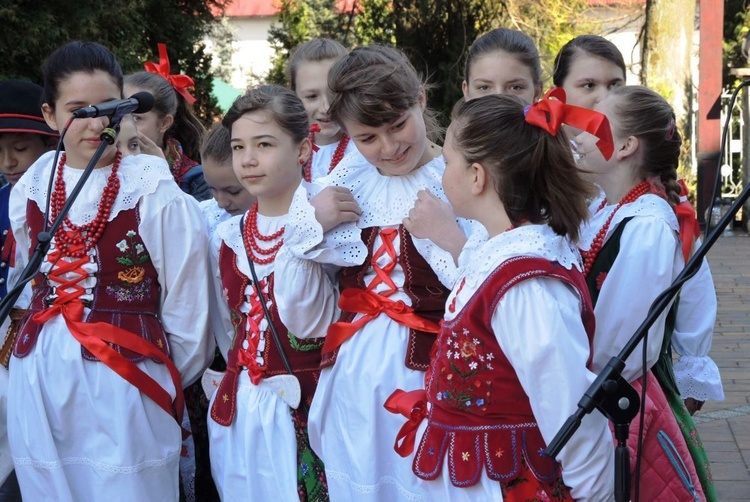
x=432, y=218
x=149, y=147
x=335, y=205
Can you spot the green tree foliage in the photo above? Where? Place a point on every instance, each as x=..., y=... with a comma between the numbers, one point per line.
x=32, y=29
x=736, y=28
x=299, y=21
x=435, y=34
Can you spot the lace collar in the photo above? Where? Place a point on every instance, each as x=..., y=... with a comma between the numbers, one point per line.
x=139, y=175
x=648, y=205
x=476, y=263
x=385, y=200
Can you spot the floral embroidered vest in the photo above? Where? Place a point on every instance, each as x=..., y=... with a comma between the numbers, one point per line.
x=427, y=294
x=480, y=415
x=126, y=293
x=303, y=355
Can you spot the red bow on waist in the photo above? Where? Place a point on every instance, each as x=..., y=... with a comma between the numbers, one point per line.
x=412, y=405
x=371, y=305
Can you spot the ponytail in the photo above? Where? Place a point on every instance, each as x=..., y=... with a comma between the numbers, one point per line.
x=533, y=171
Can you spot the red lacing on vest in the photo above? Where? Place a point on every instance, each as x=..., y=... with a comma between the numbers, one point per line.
x=372, y=304
x=248, y=357
x=96, y=336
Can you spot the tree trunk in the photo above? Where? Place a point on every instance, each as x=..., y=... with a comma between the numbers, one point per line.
x=667, y=50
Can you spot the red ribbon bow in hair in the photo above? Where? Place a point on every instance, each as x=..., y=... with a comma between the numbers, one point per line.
x=179, y=82
x=689, y=227
x=550, y=114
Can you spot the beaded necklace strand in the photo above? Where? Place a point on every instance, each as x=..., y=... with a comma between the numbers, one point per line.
x=596, y=245
x=70, y=241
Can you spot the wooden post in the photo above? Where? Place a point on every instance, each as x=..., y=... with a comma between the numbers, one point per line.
x=709, y=98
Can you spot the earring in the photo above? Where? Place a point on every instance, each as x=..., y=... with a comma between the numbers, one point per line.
x=301, y=161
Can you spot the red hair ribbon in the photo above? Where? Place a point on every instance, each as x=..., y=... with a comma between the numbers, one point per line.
x=690, y=230
x=179, y=82
x=550, y=114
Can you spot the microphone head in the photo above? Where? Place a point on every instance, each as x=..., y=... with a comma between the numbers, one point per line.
x=145, y=101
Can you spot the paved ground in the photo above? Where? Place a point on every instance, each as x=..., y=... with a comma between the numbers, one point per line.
x=725, y=426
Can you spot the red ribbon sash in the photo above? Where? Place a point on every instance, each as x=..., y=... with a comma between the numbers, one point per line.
x=371, y=305
x=690, y=230
x=412, y=405
x=94, y=337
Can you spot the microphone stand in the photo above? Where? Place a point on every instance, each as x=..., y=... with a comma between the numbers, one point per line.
x=611, y=394
x=44, y=239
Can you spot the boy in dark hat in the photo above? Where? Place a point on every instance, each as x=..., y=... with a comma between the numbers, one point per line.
x=24, y=137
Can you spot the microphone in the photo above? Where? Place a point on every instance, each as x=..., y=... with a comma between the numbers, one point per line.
x=140, y=102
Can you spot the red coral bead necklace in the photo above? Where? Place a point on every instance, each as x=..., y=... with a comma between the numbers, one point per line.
x=77, y=240
x=596, y=245
x=251, y=235
x=338, y=154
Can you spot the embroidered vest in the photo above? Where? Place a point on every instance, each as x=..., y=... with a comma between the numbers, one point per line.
x=126, y=293
x=303, y=355
x=480, y=415
x=421, y=285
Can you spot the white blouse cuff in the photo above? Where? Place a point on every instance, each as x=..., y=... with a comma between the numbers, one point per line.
x=698, y=378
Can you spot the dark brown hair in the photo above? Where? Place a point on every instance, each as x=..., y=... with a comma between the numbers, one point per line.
x=593, y=45
x=514, y=42
x=186, y=129
x=533, y=172
x=217, y=146
x=317, y=49
x=375, y=85
x=646, y=115
x=74, y=57
x=281, y=103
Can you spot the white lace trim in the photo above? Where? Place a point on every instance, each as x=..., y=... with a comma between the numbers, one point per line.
x=139, y=175
x=370, y=489
x=323, y=157
x=385, y=200
x=304, y=237
x=649, y=205
x=213, y=215
x=699, y=378
x=100, y=466
x=533, y=240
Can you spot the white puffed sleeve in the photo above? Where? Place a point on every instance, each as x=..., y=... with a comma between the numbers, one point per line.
x=20, y=229
x=175, y=236
x=220, y=317
x=308, y=264
x=648, y=261
x=696, y=373
x=538, y=326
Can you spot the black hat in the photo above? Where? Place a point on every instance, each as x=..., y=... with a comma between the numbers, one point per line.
x=21, y=108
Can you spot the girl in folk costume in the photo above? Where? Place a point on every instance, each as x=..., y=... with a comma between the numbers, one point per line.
x=308, y=75
x=588, y=68
x=510, y=362
x=114, y=328
x=229, y=199
x=381, y=285
x=632, y=252
x=257, y=429
x=502, y=61
x=171, y=128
